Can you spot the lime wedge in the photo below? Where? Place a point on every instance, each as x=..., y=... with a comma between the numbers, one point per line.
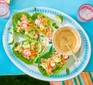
x=11, y=40
x=59, y=18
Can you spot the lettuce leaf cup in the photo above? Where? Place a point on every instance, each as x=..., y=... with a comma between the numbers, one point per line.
x=28, y=51
x=44, y=24
x=24, y=25
x=51, y=63
x=20, y=19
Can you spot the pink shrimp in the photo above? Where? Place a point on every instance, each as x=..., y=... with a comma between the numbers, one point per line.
x=27, y=53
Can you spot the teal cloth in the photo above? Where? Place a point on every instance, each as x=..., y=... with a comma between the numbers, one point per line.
x=70, y=7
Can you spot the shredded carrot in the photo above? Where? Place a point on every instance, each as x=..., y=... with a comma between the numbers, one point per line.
x=36, y=30
x=48, y=63
x=44, y=31
x=31, y=24
x=34, y=52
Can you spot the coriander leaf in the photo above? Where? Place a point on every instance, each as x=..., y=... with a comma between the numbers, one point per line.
x=67, y=70
x=54, y=24
x=56, y=27
x=34, y=8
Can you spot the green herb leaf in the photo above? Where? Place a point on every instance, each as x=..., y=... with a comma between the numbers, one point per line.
x=8, y=28
x=41, y=35
x=38, y=39
x=50, y=42
x=52, y=49
x=67, y=70
x=10, y=32
x=56, y=27
x=34, y=8
x=17, y=16
x=54, y=24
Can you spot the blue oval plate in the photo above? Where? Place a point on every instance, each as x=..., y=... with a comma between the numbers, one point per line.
x=75, y=67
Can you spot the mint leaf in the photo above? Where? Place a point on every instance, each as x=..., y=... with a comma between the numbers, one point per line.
x=67, y=70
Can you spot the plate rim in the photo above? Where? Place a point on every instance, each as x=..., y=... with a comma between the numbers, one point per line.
x=22, y=69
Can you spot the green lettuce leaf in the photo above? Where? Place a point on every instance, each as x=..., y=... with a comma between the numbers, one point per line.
x=35, y=15
x=49, y=21
x=46, y=56
x=20, y=56
x=17, y=16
